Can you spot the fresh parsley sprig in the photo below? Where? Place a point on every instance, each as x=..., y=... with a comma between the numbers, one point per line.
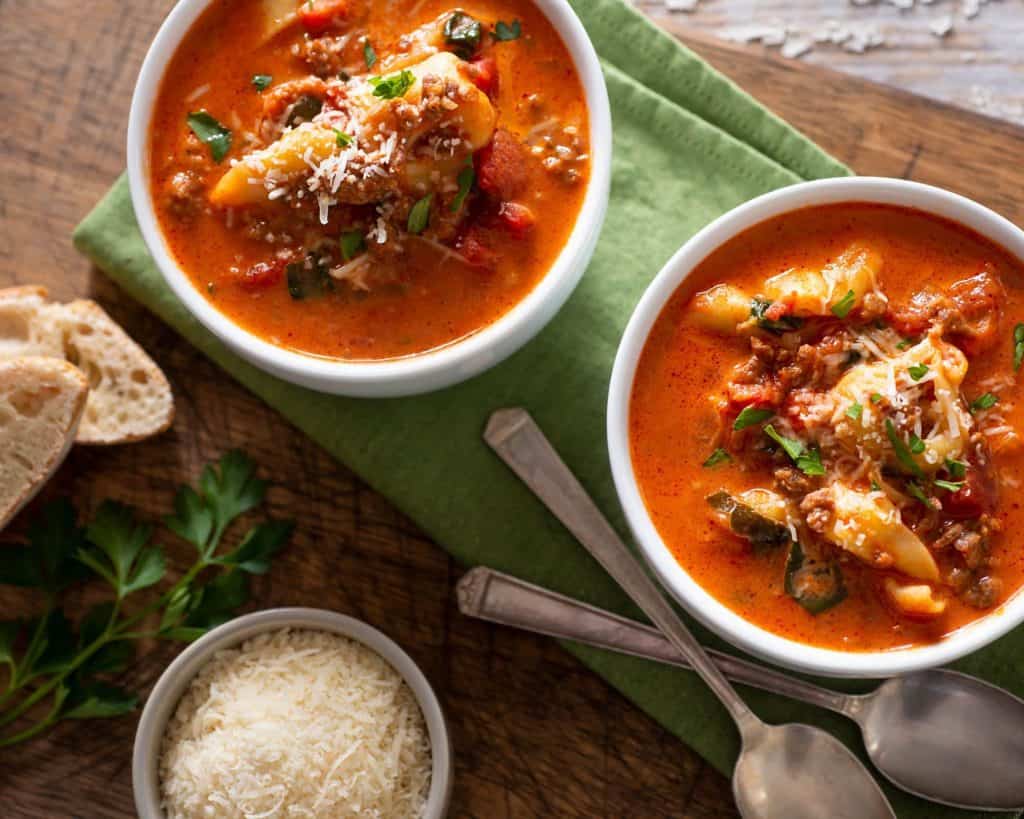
x=56, y=672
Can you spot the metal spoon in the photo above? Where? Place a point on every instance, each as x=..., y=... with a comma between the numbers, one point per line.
x=939, y=734
x=783, y=771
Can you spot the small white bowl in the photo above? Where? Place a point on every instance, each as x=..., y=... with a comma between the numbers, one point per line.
x=709, y=611
x=417, y=373
x=180, y=673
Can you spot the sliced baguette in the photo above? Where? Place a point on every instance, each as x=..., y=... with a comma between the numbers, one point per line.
x=41, y=403
x=129, y=396
x=23, y=331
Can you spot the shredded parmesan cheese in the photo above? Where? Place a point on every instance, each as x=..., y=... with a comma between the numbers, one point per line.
x=296, y=724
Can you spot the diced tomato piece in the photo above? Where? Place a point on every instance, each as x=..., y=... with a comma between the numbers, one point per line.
x=974, y=498
x=776, y=310
x=517, y=219
x=500, y=167
x=317, y=16
x=476, y=251
x=263, y=275
x=483, y=71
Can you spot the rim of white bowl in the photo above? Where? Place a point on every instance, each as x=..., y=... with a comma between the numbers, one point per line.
x=417, y=373
x=699, y=603
x=176, y=678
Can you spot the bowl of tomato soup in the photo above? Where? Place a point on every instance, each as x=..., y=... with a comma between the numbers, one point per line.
x=371, y=199
x=814, y=426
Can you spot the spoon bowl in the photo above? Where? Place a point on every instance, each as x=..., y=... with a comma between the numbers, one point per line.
x=795, y=771
x=948, y=737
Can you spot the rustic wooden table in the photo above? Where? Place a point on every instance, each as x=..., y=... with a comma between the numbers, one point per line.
x=578, y=751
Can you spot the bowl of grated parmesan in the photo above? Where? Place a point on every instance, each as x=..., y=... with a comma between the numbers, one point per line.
x=292, y=713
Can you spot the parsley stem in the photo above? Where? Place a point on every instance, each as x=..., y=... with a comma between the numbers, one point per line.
x=47, y=721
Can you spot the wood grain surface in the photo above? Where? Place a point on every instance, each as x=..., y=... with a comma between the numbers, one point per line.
x=535, y=734
x=979, y=64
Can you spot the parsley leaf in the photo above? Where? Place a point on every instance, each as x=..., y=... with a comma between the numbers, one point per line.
x=952, y=486
x=262, y=81
x=506, y=31
x=793, y=448
x=419, y=216
x=958, y=469
x=841, y=309
x=854, y=411
x=876, y=397
x=906, y=344
x=369, y=55
x=917, y=371
x=130, y=564
x=719, y=456
x=466, y=178
x=915, y=491
x=342, y=139
x=749, y=416
x=984, y=402
x=393, y=86
x=875, y=487
x=351, y=243
x=900, y=448
x=211, y=132
x=810, y=463
x=1018, y=346
x=916, y=444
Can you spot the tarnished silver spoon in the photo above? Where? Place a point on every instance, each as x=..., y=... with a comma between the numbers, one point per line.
x=939, y=734
x=790, y=771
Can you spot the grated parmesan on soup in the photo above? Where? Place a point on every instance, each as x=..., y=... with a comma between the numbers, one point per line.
x=296, y=724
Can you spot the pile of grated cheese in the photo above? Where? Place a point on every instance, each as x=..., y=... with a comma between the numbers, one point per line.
x=296, y=724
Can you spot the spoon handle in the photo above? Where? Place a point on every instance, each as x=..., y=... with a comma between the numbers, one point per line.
x=500, y=598
x=517, y=439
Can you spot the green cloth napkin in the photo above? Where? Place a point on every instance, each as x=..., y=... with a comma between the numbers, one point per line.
x=688, y=145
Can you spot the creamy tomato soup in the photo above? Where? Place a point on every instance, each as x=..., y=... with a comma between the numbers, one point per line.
x=825, y=426
x=368, y=180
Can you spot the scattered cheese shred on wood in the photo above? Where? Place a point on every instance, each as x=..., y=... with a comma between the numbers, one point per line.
x=296, y=724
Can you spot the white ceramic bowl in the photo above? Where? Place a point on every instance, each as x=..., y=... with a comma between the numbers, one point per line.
x=417, y=373
x=180, y=673
x=713, y=614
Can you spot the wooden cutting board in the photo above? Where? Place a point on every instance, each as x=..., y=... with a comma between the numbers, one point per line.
x=576, y=750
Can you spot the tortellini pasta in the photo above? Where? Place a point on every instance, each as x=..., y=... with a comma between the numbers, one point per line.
x=945, y=423
x=868, y=525
x=817, y=292
x=915, y=599
x=721, y=308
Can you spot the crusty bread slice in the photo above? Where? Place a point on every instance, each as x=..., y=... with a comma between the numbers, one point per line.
x=22, y=330
x=129, y=396
x=41, y=403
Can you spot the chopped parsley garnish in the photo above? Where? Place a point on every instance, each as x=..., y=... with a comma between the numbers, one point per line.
x=916, y=444
x=758, y=307
x=1018, y=346
x=794, y=449
x=917, y=371
x=950, y=485
x=906, y=343
x=419, y=216
x=369, y=55
x=854, y=411
x=462, y=33
x=876, y=397
x=841, y=309
x=215, y=135
x=351, y=242
x=506, y=31
x=749, y=416
x=393, y=86
x=261, y=81
x=957, y=469
x=917, y=492
x=466, y=178
x=900, y=448
x=810, y=463
x=875, y=486
x=719, y=456
x=983, y=402
x=343, y=139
